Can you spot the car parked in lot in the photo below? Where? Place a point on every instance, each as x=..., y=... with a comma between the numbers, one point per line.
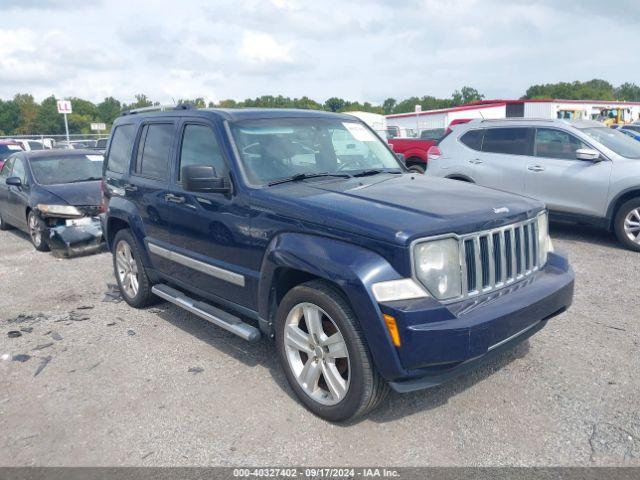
x=631, y=133
x=367, y=276
x=8, y=148
x=582, y=170
x=55, y=197
x=414, y=151
x=29, y=145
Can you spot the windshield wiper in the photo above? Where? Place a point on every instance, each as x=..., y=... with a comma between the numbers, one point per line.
x=374, y=171
x=303, y=176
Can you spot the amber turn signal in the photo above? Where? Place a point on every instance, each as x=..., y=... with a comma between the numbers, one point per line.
x=393, y=329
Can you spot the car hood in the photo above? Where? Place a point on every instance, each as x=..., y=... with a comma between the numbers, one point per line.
x=80, y=193
x=398, y=208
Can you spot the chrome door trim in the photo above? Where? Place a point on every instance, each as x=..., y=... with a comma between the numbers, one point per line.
x=189, y=262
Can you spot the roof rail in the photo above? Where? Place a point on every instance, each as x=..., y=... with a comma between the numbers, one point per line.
x=159, y=108
x=519, y=119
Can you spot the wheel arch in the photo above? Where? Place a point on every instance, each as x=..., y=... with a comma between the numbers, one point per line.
x=292, y=259
x=618, y=201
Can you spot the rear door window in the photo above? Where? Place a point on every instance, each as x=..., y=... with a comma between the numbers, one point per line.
x=511, y=141
x=473, y=139
x=154, y=151
x=121, y=146
x=551, y=143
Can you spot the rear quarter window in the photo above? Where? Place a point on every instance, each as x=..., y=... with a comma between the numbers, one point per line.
x=121, y=146
x=473, y=139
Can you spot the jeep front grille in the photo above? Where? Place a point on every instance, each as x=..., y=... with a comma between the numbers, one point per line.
x=495, y=258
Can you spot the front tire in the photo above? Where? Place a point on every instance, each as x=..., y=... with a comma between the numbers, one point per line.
x=627, y=224
x=132, y=278
x=37, y=228
x=3, y=225
x=324, y=355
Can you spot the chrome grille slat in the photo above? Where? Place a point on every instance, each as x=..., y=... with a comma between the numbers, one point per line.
x=494, y=258
x=478, y=262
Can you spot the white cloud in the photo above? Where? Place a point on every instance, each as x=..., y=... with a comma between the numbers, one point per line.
x=262, y=48
x=360, y=49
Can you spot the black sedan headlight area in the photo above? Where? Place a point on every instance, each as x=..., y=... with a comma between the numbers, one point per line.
x=63, y=211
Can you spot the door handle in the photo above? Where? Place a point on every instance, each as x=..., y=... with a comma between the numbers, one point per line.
x=170, y=197
x=535, y=168
x=130, y=188
x=475, y=161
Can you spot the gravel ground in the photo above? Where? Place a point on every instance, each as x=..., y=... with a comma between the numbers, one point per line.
x=97, y=383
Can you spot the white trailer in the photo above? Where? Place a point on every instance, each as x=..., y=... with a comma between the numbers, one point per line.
x=432, y=119
x=376, y=121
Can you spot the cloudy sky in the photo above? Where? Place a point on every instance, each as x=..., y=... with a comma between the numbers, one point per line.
x=360, y=50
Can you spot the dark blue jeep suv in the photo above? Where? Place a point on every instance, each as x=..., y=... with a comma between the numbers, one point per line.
x=304, y=227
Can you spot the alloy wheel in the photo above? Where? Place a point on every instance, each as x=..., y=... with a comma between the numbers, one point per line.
x=127, y=269
x=317, y=354
x=632, y=225
x=34, y=230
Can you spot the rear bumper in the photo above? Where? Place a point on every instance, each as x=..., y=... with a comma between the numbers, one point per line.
x=441, y=342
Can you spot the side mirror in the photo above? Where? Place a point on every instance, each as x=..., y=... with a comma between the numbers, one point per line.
x=588, y=154
x=203, y=178
x=14, y=181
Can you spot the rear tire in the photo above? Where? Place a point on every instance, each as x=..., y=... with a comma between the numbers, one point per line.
x=415, y=165
x=132, y=278
x=627, y=224
x=37, y=230
x=326, y=359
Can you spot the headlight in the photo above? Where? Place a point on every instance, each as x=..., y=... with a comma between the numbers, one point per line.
x=437, y=266
x=59, y=210
x=544, y=241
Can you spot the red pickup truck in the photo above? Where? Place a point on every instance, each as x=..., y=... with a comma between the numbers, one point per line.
x=415, y=149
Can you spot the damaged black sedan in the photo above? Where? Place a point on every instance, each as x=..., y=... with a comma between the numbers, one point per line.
x=55, y=197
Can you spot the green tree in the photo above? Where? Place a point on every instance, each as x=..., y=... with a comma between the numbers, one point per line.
x=28, y=112
x=48, y=120
x=595, y=89
x=334, y=104
x=466, y=95
x=142, y=101
x=108, y=110
x=389, y=106
x=9, y=117
x=629, y=92
x=196, y=102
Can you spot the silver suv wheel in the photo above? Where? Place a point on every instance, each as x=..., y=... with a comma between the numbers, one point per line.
x=317, y=354
x=127, y=269
x=632, y=225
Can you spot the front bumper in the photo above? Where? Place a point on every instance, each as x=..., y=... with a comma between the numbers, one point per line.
x=441, y=342
x=68, y=240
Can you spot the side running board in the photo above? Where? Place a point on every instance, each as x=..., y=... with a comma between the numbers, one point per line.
x=210, y=313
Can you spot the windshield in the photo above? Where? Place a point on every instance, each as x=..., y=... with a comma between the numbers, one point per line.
x=277, y=148
x=67, y=169
x=615, y=140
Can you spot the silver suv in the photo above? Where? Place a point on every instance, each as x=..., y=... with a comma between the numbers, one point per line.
x=582, y=170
